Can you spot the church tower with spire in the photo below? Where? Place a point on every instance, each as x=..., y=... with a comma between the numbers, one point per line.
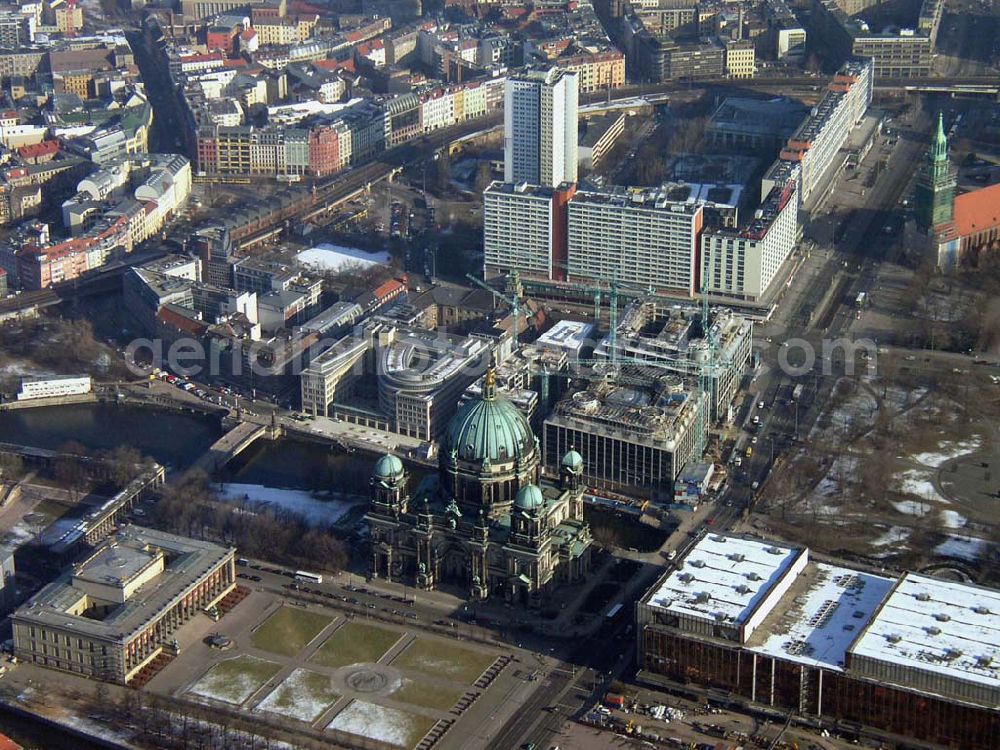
x=934, y=193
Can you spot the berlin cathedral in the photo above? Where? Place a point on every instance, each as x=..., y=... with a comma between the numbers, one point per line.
x=486, y=521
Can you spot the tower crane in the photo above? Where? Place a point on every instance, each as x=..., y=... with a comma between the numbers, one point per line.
x=706, y=367
x=512, y=298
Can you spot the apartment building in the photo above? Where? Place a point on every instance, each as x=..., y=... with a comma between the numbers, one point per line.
x=741, y=60
x=540, y=127
x=639, y=236
x=817, y=141
x=524, y=229
x=743, y=263
x=596, y=71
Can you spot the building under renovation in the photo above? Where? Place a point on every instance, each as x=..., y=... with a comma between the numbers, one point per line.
x=669, y=336
x=633, y=436
x=914, y=656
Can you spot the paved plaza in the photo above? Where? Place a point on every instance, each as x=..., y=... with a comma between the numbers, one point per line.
x=328, y=671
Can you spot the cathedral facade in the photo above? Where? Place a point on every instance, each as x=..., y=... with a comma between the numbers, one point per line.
x=486, y=521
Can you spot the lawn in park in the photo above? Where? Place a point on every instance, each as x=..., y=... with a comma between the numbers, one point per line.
x=288, y=630
x=382, y=723
x=444, y=659
x=304, y=695
x=355, y=643
x=440, y=697
x=235, y=680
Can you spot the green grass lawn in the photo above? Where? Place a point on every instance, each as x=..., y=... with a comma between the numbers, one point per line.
x=288, y=630
x=428, y=696
x=305, y=695
x=390, y=725
x=355, y=643
x=444, y=659
x=235, y=680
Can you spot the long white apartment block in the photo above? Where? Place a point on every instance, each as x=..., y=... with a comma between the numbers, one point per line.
x=524, y=229
x=818, y=140
x=742, y=263
x=637, y=236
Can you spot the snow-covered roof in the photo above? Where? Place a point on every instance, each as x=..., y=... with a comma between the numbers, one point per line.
x=820, y=623
x=724, y=578
x=932, y=625
x=567, y=334
x=327, y=257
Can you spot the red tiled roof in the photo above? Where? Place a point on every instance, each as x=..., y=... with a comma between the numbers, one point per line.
x=38, y=149
x=201, y=58
x=181, y=322
x=6, y=743
x=334, y=65
x=977, y=210
x=390, y=287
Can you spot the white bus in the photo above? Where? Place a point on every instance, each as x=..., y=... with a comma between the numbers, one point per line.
x=301, y=575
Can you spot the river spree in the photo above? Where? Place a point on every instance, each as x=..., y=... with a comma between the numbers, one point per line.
x=176, y=439
x=306, y=465
x=173, y=438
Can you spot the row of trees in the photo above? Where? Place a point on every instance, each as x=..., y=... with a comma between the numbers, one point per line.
x=164, y=722
x=79, y=468
x=191, y=508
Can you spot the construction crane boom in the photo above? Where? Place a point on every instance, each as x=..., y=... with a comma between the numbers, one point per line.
x=513, y=301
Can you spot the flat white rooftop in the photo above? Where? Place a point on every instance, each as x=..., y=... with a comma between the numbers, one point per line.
x=566, y=334
x=948, y=628
x=820, y=624
x=724, y=578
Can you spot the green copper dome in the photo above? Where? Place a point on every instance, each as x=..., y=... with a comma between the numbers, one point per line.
x=529, y=497
x=572, y=460
x=388, y=467
x=490, y=428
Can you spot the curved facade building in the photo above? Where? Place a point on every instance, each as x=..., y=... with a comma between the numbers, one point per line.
x=421, y=376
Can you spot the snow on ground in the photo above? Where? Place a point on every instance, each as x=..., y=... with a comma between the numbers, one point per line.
x=893, y=535
x=837, y=482
x=902, y=397
x=327, y=257
x=316, y=511
x=228, y=686
x=961, y=547
x=297, y=697
x=19, y=534
x=952, y=520
x=918, y=482
x=374, y=721
x=859, y=408
x=911, y=507
x=24, y=370
x=94, y=728
x=948, y=450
